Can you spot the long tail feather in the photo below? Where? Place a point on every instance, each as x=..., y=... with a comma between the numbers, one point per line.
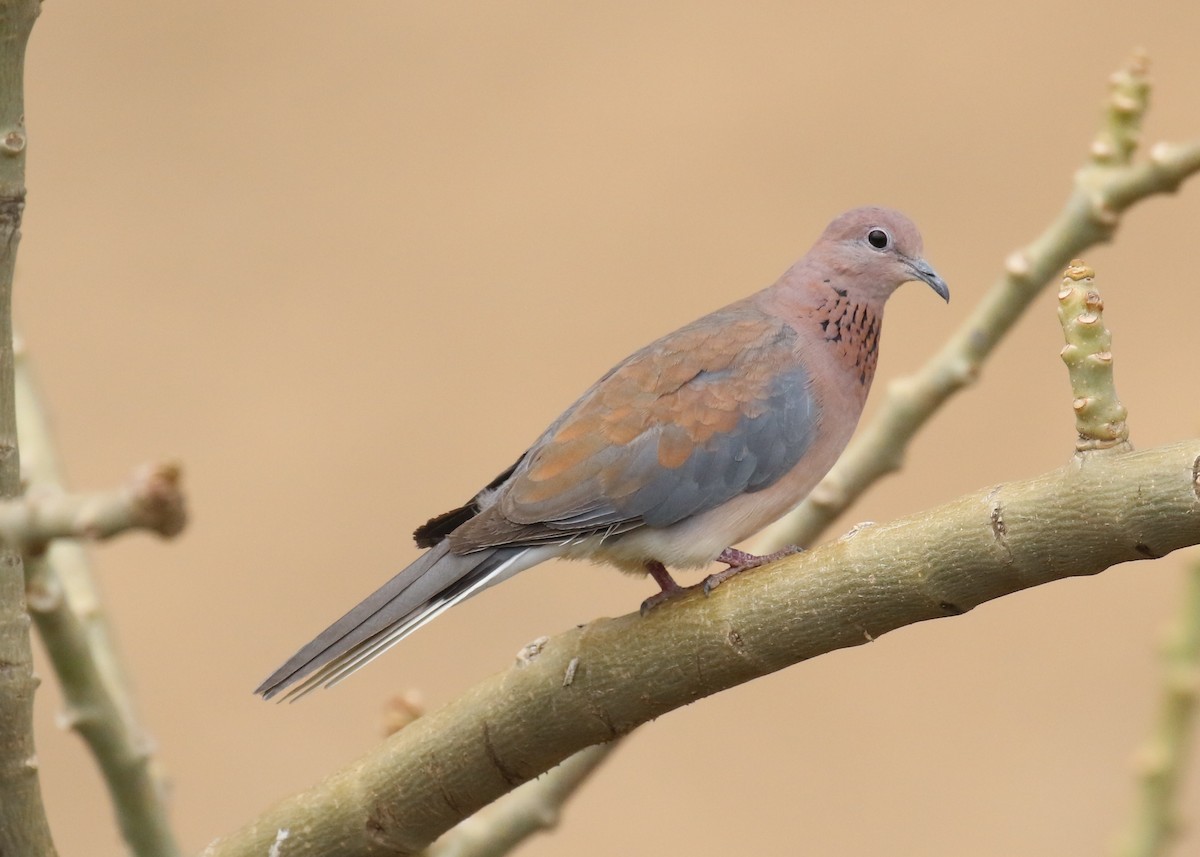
x=434, y=583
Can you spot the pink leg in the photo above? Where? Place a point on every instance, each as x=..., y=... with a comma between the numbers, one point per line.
x=665, y=582
x=739, y=561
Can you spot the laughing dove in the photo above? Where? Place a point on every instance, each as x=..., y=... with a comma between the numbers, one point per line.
x=686, y=447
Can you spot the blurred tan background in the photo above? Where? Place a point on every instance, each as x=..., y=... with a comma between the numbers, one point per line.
x=346, y=260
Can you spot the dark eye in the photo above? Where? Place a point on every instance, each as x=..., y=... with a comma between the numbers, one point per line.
x=878, y=239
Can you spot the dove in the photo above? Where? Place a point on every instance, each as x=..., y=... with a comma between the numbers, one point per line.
x=682, y=450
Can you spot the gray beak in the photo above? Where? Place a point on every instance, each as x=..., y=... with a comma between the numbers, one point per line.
x=923, y=271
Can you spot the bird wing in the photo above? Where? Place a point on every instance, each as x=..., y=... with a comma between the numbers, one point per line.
x=719, y=408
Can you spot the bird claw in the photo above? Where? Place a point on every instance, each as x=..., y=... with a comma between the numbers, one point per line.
x=706, y=586
x=738, y=561
x=665, y=582
x=717, y=578
x=658, y=598
x=741, y=560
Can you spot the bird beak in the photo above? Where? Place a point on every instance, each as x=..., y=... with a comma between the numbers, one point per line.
x=924, y=272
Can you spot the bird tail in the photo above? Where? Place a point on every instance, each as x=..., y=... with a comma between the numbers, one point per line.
x=434, y=583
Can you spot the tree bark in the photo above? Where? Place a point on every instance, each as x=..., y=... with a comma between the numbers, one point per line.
x=23, y=827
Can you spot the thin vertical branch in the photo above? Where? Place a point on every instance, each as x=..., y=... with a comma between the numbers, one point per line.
x=23, y=826
x=1161, y=763
x=65, y=604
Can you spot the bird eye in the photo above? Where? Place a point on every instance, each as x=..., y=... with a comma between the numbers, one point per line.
x=879, y=239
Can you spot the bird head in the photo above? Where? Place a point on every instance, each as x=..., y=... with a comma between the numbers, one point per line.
x=875, y=250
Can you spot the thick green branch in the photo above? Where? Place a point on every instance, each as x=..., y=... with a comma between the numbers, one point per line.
x=1078, y=520
x=1104, y=188
x=23, y=827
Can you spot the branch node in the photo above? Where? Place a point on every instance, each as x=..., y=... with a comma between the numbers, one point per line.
x=69, y=719
x=13, y=143
x=1124, y=103
x=530, y=651
x=158, y=499
x=1103, y=150
x=827, y=495
x=999, y=527
x=855, y=530
x=964, y=372
x=569, y=675
x=1017, y=265
x=276, y=849
x=43, y=596
x=1102, y=212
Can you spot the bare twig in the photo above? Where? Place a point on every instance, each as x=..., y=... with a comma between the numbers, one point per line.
x=1099, y=414
x=1161, y=763
x=518, y=724
x=23, y=826
x=124, y=755
x=1104, y=188
x=151, y=500
x=66, y=608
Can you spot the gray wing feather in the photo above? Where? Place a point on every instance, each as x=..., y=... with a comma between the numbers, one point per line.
x=757, y=453
x=751, y=457
x=435, y=580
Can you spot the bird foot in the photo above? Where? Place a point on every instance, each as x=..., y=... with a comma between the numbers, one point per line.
x=739, y=561
x=662, y=577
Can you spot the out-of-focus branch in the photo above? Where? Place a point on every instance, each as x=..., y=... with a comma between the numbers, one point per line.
x=1104, y=188
x=65, y=605
x=531, y=808
x=23, y=826
x=1161, y=762
x=151, y=500
x=516, y=725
